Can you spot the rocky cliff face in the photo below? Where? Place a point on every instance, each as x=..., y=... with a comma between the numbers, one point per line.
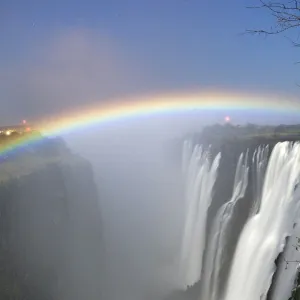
x=51, y=241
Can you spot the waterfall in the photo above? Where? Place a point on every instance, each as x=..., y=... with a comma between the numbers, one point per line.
x=186, y=156
x=200, y=174
x=259, y=165
x=221, y=231
x=263, y=236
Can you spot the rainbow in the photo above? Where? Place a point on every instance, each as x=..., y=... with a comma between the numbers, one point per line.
x=110, y=111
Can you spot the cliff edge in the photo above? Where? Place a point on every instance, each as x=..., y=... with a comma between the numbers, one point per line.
x=51, y=241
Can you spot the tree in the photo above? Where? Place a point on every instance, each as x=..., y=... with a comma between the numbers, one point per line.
x=286, y=15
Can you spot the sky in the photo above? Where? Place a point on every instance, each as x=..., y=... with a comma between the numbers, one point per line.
x=56, y=55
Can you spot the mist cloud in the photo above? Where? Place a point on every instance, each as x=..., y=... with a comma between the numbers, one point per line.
x=68, y=68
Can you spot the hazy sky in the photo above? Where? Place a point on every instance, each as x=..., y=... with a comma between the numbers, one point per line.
x=61, y=53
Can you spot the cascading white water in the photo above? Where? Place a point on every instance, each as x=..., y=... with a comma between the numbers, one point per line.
x=186, y=156
x=263, y=236
x=221, y=231
x=259, y=165
x=200, y=175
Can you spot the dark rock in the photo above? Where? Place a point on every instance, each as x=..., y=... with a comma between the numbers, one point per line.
x=51, y=239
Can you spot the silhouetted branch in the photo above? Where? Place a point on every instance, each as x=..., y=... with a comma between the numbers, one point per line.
x=287, y=16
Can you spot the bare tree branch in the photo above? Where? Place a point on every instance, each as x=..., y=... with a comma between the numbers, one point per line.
x=285, y=13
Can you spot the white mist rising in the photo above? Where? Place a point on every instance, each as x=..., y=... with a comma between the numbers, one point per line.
x=140, y=191
x=263, y=236
x=200, y=175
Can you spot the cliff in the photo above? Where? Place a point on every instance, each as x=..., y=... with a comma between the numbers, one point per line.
x=51, y=241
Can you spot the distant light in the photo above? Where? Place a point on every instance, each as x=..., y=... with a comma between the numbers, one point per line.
x=227, y=119
x=24, y=121
x=8, y=132
x=28, y=129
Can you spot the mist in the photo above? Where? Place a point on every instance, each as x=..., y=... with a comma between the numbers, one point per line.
x=141, y=201
x=141, y=198
x=63, y=69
